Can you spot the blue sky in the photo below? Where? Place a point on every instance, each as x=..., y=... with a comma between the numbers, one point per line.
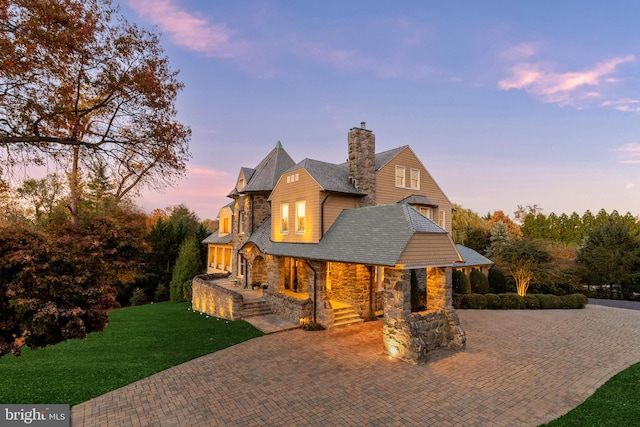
x=506, y=103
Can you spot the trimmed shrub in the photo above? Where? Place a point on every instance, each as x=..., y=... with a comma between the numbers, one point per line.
x=548, y=301
x=461, y=284
x=138, y=297
x=531, y=302
x=494, y=302
x=469, y=301
x=573, y=301
x=512, y=301
x=479, y=282
x=481, y=301
x=456, y=300
x=497, y=280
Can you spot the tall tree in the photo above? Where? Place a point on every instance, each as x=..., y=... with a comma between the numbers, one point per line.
x=524, y=259
x=80, y=84
x=610, y=256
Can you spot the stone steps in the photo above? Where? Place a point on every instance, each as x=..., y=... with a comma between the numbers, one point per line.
x=345, y=315
x=255, y=308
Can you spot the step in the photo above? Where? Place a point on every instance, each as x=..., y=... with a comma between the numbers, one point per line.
x=256, y=308
x=345, y=315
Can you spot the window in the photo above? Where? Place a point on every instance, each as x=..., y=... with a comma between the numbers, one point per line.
x=426, y=212
x=399, y=176
x=284, y=218
x=441, y=219
x=241, y=218
x=415, y=179
x=225, y=225
x=300, y=217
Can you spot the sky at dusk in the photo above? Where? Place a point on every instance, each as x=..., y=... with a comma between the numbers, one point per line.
x=505, y=102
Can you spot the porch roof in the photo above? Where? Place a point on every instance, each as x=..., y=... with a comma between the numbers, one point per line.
x=375, y=235
x=471, y=258
x=215, y=238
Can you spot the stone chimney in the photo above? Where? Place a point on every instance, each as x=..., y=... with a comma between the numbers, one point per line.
x=362, y=163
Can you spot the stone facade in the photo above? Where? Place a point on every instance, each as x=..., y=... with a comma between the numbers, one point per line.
x=411, y=336
x=355, y=285
x=215, y=300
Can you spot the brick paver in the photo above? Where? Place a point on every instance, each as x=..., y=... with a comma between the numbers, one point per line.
x=520, y=368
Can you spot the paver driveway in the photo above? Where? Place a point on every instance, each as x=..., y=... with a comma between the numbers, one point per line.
x=520, y=368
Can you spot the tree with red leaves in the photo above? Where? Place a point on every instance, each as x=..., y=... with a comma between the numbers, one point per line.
x=80, y=86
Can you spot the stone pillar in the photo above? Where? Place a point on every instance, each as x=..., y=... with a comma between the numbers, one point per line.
x=411, y=336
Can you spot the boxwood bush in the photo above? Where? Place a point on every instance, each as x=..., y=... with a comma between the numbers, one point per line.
x=512, y=301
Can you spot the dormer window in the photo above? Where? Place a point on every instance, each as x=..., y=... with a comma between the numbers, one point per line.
x=241, y=184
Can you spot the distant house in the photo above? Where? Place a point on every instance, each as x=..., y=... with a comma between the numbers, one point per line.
x=472, y=260
x=338, y=243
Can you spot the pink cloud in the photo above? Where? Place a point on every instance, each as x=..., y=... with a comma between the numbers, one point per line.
x=630, y=154
x=190, y=30
x=202, y=190
x=540, y=80
x=624, y=104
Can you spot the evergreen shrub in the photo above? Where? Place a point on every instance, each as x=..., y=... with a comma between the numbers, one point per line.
x=138, y=298
x=461, y=284
x=511, y=301
x=494, y=302
x=548, y=301
x=497, y=280
x=531, y=302
x=479, y=282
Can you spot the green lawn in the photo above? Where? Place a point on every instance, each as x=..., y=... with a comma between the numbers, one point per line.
x=615, y=403
x=138, y=342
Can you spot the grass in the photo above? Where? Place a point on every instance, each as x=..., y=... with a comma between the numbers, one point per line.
x=615, y=403
x=138, y=342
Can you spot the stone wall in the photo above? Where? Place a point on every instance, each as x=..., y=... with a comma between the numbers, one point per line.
x=411, y=336
x=289, y=307
x=351, y=283
x=215, y=300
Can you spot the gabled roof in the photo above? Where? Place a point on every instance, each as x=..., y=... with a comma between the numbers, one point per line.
x=471, y=258
x=269, y=170
x=215, y=238
x=419, y=199
x=373, y=235
x=386, y=156
x=330, y=177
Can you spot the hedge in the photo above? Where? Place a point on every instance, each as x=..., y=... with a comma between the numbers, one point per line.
x=511, y=301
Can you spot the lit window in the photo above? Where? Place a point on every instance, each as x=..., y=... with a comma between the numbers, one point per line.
x=426, y=212
x=300, y=217
x=415, y=179
x=399, y=176
x=241, y=218
x=225, y=225
x=284, y=218
x=441, y=219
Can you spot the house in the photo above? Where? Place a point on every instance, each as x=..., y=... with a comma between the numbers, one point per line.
x=219, y=243
x=472, y=260
x=337, y=243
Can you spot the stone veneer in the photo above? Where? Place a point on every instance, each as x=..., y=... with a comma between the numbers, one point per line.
x=411, y=336
x=215, y=300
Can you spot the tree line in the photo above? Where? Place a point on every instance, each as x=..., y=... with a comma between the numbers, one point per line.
x=596, y=254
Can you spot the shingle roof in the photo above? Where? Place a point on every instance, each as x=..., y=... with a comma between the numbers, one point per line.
x=471, y=258
x=386, y=156
x=269, y=170
x=215, y=238
x=329, y=176
x=418, y=199
x=374, y=235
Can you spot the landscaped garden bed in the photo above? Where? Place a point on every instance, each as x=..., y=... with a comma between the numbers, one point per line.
x=513, y=301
